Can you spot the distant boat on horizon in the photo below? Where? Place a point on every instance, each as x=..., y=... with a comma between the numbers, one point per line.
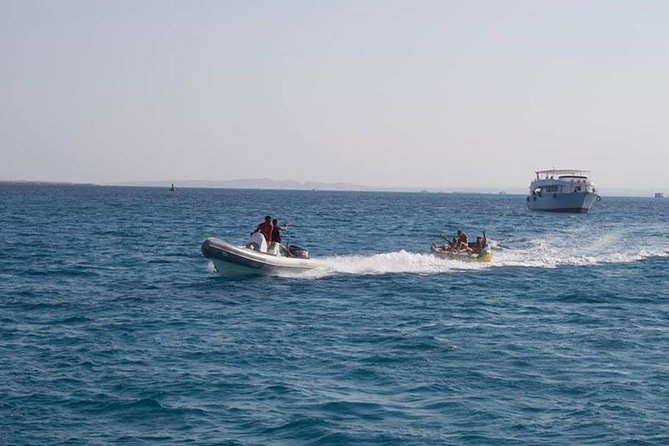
x=172, y=188
x=659, y=195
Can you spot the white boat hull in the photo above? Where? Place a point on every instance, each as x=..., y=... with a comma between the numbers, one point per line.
x=234, y=261
x=577, y=202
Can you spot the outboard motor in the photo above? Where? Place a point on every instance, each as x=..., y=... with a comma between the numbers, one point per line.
x=296, y=251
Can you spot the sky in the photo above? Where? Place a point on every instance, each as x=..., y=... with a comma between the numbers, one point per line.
x=438, y=94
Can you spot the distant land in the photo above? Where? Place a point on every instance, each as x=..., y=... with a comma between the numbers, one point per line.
x=271, y=184
x=44, y=183
x=268, y=183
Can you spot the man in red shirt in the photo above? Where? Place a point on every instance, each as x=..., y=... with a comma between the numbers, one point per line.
x=265, y=228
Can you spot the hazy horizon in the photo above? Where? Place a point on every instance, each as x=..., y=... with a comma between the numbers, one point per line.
x=427, y=94
x=273, y=184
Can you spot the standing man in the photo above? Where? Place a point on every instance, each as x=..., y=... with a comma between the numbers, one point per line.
x=265, y=228
x=276, y=233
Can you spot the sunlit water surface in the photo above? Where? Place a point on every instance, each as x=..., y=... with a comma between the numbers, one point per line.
x=115, y=329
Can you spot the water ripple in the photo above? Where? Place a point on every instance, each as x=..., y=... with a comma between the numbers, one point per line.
x=115, y=332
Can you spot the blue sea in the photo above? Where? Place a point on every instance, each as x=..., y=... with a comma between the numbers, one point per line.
x=114, y=329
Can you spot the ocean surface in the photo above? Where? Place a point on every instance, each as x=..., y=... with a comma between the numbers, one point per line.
x=114, y=329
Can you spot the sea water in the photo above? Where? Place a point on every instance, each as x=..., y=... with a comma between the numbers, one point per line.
x=114, y=329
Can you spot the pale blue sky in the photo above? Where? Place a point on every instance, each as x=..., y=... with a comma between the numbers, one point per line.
x=382, y=93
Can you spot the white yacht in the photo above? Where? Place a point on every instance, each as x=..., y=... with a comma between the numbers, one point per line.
x=562, y=190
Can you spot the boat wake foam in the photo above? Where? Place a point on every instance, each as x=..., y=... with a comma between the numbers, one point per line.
x=579, y=247
x=549, y=252
x=573, y=247
x=391, y=263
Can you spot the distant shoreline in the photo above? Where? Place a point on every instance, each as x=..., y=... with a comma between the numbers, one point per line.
x=339, y=187
x=44, y=183
x=275, y=185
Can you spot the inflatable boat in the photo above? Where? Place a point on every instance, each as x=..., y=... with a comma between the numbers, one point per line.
x=256, y=257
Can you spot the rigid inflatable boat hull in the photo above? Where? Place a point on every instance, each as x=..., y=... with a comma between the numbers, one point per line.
x=234, y=261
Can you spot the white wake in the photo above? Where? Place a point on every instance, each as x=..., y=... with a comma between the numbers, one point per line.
x=576, y=247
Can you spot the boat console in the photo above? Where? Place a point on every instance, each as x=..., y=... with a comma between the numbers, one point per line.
x=257, y=242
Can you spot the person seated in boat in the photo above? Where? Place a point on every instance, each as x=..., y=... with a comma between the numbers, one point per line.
x=448, y=246
x=461, y=241
x=276, y=230
x=265, y=228
x=478, y=245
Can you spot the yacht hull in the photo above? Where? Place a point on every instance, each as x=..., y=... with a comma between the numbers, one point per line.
x=575, y=202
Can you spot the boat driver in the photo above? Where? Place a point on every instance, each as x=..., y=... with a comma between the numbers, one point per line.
x=276, y=231
x=265, y=228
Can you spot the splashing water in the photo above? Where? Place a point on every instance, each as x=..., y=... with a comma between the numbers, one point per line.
x=574, y=248
x=392, y=263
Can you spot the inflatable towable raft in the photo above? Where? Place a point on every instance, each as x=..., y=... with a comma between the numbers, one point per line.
x=485, y=255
